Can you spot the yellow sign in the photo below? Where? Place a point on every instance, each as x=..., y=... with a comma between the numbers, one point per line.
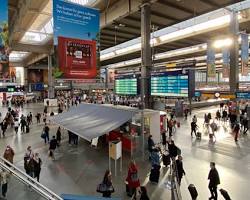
x=171, y=65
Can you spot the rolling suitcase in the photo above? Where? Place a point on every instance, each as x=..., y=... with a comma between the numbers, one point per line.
x=166, y=159
x=155, y=174
x=27, y=129
x=225, y=194
x=129, y=191
x=193, y=192
x=198, y=135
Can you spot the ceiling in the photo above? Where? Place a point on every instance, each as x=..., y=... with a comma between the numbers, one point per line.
x=164, y=13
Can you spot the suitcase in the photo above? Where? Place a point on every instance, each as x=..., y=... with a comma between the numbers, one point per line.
x=225, y=194
x=198, y=135
x=27, y=129
x=166, y=159
x=178, y=124
x=155, y=174
x=129, y=191
x=193, y=192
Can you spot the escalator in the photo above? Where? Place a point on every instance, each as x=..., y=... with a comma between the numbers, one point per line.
x=22, y=186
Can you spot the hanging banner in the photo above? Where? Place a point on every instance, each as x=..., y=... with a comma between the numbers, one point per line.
x=225, y=62
x=211, y=71
x=244, y=54
x=76, y=32
x=4, y=40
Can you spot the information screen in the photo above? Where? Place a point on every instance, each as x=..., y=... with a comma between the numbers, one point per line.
x=243, y=95
x=126, y=86
x=171, y=84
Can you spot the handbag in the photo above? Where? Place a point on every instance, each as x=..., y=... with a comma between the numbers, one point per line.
x=43, y=135
x=101, y=188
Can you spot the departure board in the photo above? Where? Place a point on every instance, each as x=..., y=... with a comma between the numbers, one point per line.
x=126, y=86
x=170, y=84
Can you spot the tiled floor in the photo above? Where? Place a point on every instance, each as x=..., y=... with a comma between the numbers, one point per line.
x=78, y=170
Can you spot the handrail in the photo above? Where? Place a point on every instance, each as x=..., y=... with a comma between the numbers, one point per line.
x=26, y=179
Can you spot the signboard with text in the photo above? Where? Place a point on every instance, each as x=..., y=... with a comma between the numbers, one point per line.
x=76, y=33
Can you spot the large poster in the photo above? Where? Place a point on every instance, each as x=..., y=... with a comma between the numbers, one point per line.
x=4, y=40
x=35, y=76
x=76, y=32
x=211, y=71
x=244, y=54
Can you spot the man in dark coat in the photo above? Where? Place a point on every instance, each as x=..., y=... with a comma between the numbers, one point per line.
x=180, y=169
x=214, y=180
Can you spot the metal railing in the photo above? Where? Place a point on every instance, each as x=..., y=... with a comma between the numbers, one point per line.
x=27, y=180
x=176, y=192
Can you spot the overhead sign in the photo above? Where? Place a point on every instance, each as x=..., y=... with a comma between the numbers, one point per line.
x=76, y=32
x=170, y=84
x=243, y=95
x=4, y=40
x=127, y=85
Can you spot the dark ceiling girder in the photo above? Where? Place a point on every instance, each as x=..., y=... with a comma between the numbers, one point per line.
x=122, y=31
x=211, y=3
x=113, y=35
x=174, y=5
x=164, y=16
x=138, y=20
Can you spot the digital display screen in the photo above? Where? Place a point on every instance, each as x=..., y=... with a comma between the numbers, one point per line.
x=171, y=84
x=243, y=95
x=126, y=86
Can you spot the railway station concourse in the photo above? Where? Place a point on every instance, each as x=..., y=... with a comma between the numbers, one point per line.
x=124, y=99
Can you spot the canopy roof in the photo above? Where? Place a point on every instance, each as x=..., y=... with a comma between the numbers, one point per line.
x=91, y=120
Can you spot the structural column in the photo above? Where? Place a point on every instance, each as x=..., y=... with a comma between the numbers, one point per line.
x=145, y=54
x=51, y=85
x=234, y=53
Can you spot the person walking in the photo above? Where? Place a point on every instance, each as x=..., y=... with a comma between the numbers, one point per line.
x=16, y=125
x=180, y=170
x=38, y=118
x=58, y=136
x=236, y=131
x=164, y=139
x=37, y=166
x=4, y=177
x=27, y=157
x=107, y=186
x=46, y=131
x=133, y=179
x=214, y=181
x=193, y=128
x=52, y=147
x=23, y=124
x=4, y=127
x=9, y=154
x=151, y=144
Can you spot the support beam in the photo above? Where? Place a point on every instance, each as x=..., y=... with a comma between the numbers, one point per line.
x=146, y=53
x=211, y=3
x=234, y=53
x=31, y=48
x=164, y=16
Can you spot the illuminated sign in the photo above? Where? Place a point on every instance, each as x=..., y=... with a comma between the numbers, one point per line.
x=126, y=85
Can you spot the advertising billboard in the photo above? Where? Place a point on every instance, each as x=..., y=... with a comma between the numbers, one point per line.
x=76, y=33
x=35, y=76
x=4, y=40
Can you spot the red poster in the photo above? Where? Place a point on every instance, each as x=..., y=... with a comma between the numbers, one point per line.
x=77, y=58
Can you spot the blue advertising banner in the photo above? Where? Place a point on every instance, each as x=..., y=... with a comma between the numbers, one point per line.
x=243, y=95
x=4, y=40
x=225, y=62
x=211, y=71
x=244, y=54
x=76, y=32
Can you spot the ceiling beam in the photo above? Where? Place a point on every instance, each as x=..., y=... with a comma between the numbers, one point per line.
x=31, y=48
x=113, y=35
x=139, y=21
x=176, y=6
x=211, y=3
x=123, y=31
x=163, y=16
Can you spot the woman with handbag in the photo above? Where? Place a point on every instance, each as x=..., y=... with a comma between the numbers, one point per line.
x=133, y=179
x=106, y=187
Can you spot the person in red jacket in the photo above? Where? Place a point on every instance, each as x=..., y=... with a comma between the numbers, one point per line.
x=133, y=178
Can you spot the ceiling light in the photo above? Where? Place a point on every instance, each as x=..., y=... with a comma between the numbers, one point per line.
x=223, y=43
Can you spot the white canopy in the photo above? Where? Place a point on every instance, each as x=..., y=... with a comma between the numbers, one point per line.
x=92, y=120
